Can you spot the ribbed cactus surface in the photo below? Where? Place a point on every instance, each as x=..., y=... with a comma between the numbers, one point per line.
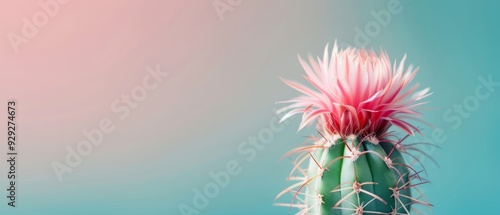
x=352, y=175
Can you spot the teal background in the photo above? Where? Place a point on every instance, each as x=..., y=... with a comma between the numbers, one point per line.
x=223, y=88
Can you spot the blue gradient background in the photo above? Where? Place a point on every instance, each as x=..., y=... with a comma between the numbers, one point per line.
x=223, y=89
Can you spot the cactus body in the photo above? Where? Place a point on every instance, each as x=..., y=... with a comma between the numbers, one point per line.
x=348, y=184
x=355, y=165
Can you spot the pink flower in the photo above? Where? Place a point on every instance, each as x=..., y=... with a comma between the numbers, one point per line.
x=356, y=92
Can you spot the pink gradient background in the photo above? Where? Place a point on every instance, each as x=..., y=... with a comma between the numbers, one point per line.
x=91, y=52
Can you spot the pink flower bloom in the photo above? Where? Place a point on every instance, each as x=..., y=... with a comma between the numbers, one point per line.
x=356, y=92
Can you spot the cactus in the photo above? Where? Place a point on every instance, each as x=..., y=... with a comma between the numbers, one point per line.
x=355, y=164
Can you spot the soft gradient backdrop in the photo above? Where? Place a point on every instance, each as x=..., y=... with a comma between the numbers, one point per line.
x=223, y=85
